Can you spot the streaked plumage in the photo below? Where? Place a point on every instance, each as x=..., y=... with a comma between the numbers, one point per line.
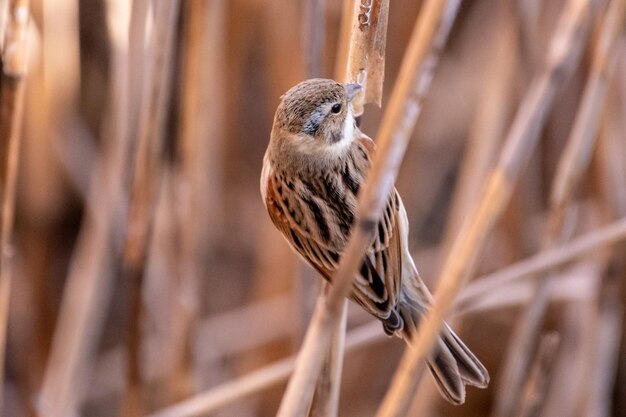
x=313, y=169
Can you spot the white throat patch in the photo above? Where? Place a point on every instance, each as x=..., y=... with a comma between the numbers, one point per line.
x=347, y=133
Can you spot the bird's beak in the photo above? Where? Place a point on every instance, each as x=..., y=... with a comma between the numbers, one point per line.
x=353, y=90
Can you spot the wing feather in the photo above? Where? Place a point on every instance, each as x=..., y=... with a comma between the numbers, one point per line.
x=321, y=258
x=382, y=265
x=377, y=283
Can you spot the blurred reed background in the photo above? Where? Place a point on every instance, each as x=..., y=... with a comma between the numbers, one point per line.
x=141, y=274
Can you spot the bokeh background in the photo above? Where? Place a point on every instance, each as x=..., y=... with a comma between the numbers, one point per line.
x=145, y=269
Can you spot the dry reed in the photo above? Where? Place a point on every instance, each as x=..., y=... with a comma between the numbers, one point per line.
x=469, y=300
x=146, y=279
x=572, y=165
x=152, y=112
x=393, y=136
x=518, y=147
x=14, y=67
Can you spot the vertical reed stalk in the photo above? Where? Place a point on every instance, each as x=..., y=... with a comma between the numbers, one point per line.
x=535, y=390
x=572, y=166
x=326, y=399
x=521, y=140
x=12, y=84
x=366, y=53
x=145, y=183
x=430, y=33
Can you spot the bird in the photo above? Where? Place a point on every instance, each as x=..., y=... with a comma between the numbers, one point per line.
x=315, y=165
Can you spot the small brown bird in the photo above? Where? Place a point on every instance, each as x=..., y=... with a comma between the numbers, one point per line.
x=314, y=166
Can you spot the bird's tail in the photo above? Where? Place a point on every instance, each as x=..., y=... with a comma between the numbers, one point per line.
x=452, y=364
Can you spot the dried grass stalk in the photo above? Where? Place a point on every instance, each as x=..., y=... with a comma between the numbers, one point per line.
x=86, y=293
x=61, y=57
x=529, y=37
x=88, y=285
x=605, y=357
x=255, y=381
x=569, y=385
x=345, y=35
x=146, y=180
x=535, y=391
x=543, y=261
x=4, y=13
x=366, y=55
x=12, y=84
x=430, y=33
x=326, y=399
x=580, y=146
x=197, y=205
x=572, y=165
x=366, y=334
x=572, y=284
x=493, y=111
x=612, y=151
x=313, y=37
x=563, y=55
x=609, y=374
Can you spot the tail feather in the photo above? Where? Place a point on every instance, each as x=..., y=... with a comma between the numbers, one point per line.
x=452, y=364
x=445, y=371
x=471, y=370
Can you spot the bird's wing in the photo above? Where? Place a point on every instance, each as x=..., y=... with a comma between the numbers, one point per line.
x=377, y=283
x=324, y=259
x=383, y=259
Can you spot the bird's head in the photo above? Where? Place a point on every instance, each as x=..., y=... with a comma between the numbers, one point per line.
x=316, y=114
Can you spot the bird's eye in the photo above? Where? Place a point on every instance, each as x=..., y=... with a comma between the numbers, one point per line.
x=336, y=108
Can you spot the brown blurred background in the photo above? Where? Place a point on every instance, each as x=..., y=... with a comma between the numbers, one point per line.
x=145, y=268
